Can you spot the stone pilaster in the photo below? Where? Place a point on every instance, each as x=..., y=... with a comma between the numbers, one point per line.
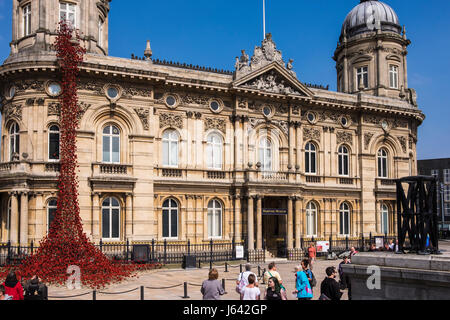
x=129, y=216
x=14, y=219
x=250, y=224
x=96, y=216
x=24, y=218
x=237, y=218
x=258, y=222
x=290, y=227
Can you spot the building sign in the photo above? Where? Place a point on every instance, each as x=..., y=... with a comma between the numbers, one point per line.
x=239, y=252
x=322, y=246
x=379, y=242
x=274, y=212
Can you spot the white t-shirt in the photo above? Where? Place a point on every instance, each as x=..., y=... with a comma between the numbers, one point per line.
x=250, y=293
x=245, y=276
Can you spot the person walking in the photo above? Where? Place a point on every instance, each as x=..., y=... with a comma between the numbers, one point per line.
x=309, y=274
x=302, y=286
x=251, y=291
x=272, y=272
x=329, y=288
x=312, y=254
x=3, y=295
x=242, y=280
x=212, y=288
x=344, y=280
x=13, y=287
x=274, y=290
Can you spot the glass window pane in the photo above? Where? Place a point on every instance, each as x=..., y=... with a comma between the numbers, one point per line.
x=165, y=153
x=174, y=223
x=114, y=202
x=307, y=159
x=116, y=149
x=165, y=222
x=54, y=146
x=218, y=223
x=174, y=154
x=345, y=165
x=115, y=223
x=313, y=162
x=106, y=150
x=105, y=223
x=210, y=223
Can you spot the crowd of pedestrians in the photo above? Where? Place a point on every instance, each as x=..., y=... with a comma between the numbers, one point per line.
x=248, y=287
x=14, y=289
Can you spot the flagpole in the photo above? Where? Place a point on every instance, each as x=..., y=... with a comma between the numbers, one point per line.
x=264, y=19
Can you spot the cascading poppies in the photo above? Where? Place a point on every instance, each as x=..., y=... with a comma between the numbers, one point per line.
x=66, y=244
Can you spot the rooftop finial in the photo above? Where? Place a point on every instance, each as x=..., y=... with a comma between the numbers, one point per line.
x=148, y=51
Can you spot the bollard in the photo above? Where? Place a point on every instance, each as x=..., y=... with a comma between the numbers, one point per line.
x=199, y=264
x=94, y=295
x=142, y=292
x=240, y=268
x=259, y=271
x=223, y=284
x=210, y=264
x=226, y=267
x=264, y=272
x=185, y=291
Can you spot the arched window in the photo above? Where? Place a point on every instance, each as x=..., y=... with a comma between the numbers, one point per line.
x=53, y=143
x=14, y=142
x=311, y=219
x=343, y=161
x=170, y=219
x=214, y=151
x=384, y=219
x=310, y=158
x=111, y=144
x=344, y=219
x=214, y=219
x=382, y=163
x=170, y=148
x=110, y=219
x=265, y=154
x=51, y=212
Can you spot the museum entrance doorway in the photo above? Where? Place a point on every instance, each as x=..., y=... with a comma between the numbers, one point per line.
x=274, y=218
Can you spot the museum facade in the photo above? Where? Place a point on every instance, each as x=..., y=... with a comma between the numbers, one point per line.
x=180, y=152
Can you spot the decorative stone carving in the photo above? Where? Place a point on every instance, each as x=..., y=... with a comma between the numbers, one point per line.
x=344, y=137
x=311, y=134
x=215, y=123
x=194, y=99
x=392, y=123
x=133, y=91
x=367, y=137
x=29, y=85
x=54, y=109
x=170, y=120
x=271, y=82
x=12, y=110
x=82, y=108
x=402, y=141
x=143, y=115
x=283, y=125
x=242, y=103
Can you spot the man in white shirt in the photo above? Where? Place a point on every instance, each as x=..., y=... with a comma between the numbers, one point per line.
x=251, y=291
x=242, y=280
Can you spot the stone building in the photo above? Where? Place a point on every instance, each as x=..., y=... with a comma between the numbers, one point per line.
x=177, y=152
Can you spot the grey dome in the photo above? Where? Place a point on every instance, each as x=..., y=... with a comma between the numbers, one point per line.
x=357, y=21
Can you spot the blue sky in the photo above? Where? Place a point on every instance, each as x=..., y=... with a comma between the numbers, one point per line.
x=212, y=33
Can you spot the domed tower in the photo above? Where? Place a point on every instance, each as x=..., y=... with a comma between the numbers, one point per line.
x=371, y=52
x=35, y=23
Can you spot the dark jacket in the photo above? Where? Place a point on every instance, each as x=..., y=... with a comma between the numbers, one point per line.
x=330, y=288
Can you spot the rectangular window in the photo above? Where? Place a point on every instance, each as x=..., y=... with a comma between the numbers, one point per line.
x=105, y=224
x=447, y=209
x=447, y=193
x=435, y=173
x=362, y=75
x=68, y=13
x=446, y=176
x=100, y=32
x=53, y=152
x=27, y=20
x=393, y=77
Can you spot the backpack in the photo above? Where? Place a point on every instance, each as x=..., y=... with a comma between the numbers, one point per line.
x=313, y=281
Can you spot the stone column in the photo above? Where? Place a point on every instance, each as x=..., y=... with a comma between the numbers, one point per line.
x=96, y=216
x=298, y=232
x=198, y=219
x=129, y=215
x=291, y=146
x=24, y=219
x=245, y=140
x=14, y=219
x=237, y=142
x=290, y=226
x=237, y=218
x=258, y=222
x=250, y=224
x=298, y=146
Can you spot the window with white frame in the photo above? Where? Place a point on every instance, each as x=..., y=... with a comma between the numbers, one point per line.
x=111, y=144
x=384, y=219
x=343, y=158
x=14, y=141
x=214, y=219
x=435, y=173
x=111, y=219
x=265, y=154
x=170, y=219
x=393, y=77
x=310, y=158
x=26, y=11
x=447, y=209
x=311, y=219
x=170, y=148
x=362, y=76
x=446, y=192
x=446, y=176
x=52, y=206
x=382, y=158
x=68, y=13
x=53, y=143
x=344, y=219
x=214, y=151
x=100, y=32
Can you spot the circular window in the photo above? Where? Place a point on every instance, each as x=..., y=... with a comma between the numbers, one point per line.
x=112, y=92
x=10, y=92
x=344, y=121
x=215, y=106
x=171, y=101
x=311, y=117
x=267, y=111
x=54, y=89
x=384, y=125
